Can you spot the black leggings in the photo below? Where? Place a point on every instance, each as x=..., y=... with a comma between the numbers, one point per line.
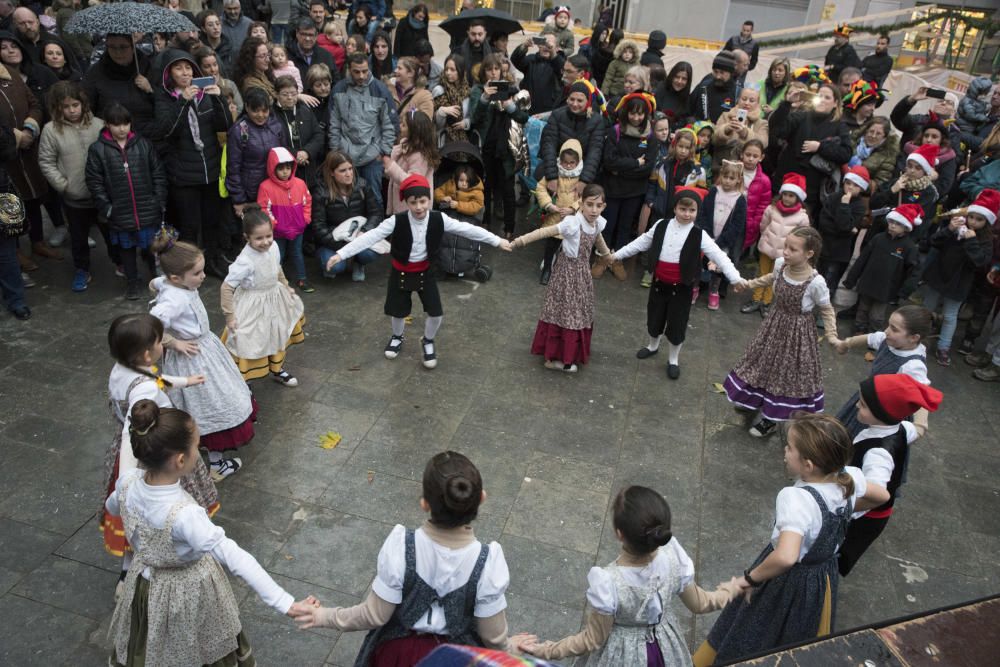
x=197, y=208
x=497, y=182
x=80, y=221
x=551, y=248
x=131, y=265
x=33, y=212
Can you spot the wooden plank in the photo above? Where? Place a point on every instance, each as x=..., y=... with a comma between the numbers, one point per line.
x=961, y=637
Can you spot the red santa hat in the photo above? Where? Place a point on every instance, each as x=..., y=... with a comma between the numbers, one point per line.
x=562, y=9
x=859, y=176
x=926, y=157
x=894, y=397
x=987, y=204
x=414, y=185
x=794, y=183
x=907, y=215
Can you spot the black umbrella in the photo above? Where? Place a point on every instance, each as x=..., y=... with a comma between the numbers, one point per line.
x=125, y=18
x=497, y=22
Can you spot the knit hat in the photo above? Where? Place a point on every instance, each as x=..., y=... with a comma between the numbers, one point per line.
x=843, y=30
x=794, y=183
x=811, y=75
x=638, y=95
x=926, y=157
x=414, y=185
x=595, y=98
x=562, y=9
x=987, y=204
x=907, y=215
x=690, y=192
x=859, y=176
x=896, y=396
x=657, y=39
x=724, y=61
x=863, y=92
x=935, y=122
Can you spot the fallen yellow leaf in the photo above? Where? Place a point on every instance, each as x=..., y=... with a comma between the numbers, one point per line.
x=329, y=440
x=718, y=388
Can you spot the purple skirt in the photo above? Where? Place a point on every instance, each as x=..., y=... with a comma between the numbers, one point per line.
x=654, y=657
x=775, y=408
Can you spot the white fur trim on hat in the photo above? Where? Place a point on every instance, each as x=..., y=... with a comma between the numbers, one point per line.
x=795, y=190
x=990, y=216
x=922, y=161
x=856, y=179
x=895, y=216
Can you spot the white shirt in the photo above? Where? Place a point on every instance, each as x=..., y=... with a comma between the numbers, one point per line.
x=877, y=464
x=174, y=307
x=817, y=294
x=194, y=535
x=571, y=227
x=603, y=597
x=796, y=511
x=418, y=229
x=444, y=570
x=915, y=368
x=241, y=271
x=673, y=241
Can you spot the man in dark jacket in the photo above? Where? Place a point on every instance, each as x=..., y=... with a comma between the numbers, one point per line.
x=474, y=48
x=841, y=54
x=577, y=121
x=876, y=67
x=653, y=55
x=235, y=25
x=304, y=53
x=34, y=37
x=744, y=42
x=717, y=93
x=114, y=78
x=542, y=73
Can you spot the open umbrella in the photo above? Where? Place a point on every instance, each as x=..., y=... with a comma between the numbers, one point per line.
x=125, y=18
x=497, y=22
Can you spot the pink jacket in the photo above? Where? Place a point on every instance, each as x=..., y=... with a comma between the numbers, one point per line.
x=758, y=198
x=399, y=168
x=774, y=227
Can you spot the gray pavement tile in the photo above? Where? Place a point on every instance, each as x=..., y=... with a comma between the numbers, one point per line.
x=549, y=573
x=346, y=649
x=562, y=516
x=87, y=546
x=71, y=586
x=58, y=435
x=545, y=619
x=24, y=546
x=276, y=640
x=568, y=472
x=252, y=604
x=8, y=579
x=60, y=497
x=36, y=633
x=309, y=421
x=260, y=543
x=248, y=504
x=293, y=467
x=373, y=494
x=411, y=423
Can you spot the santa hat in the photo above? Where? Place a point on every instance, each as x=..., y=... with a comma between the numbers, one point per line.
x=859, y=176
x=987, y=204
x=894, y=397
x=796, y=184
x=843, y=30
x=907, y=215
x=926, y=157
x=563, y=9
x=414, y=185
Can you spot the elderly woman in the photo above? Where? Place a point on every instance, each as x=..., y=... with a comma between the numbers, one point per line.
x=302, y=130
x=876, y=149
x=737, y=126
x=409, y=90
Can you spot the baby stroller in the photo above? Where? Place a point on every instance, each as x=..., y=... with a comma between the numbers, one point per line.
x=460, y=256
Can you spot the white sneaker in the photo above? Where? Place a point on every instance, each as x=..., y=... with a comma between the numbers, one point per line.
x=223, y=468
x=27, y=280
x=58, y=236
x=285, y=378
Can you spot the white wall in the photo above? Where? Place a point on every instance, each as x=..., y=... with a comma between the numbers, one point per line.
x=701, y=19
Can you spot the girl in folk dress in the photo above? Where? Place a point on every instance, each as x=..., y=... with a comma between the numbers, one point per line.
x=223, y=407
x=791, y=587
x=177, y=608
x=264, y=316
x=780, y=373
x=629, y=617
x=567, y=320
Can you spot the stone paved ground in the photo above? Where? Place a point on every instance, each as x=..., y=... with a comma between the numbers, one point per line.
x=553, y=450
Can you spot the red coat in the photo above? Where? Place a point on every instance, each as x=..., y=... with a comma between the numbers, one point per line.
x=758, y=198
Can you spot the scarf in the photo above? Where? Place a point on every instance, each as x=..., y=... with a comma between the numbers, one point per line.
x=415, y=24
x=917, y=184
x=861, y=153
x=571, y=173
x=787, y=210
x=453, y=95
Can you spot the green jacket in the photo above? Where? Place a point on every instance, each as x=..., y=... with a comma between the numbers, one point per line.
x=881, y=164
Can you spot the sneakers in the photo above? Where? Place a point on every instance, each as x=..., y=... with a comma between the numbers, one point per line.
x=358, y=272
x=762, y=428
x=285, y=378
x=647, y=279
x=80, y=281
x=430, y=355
x=304, y=286
x=27, y=280
x=555, y=365
x=750, y=307
x=119, y=270
x=713, y=301
x=979, y=359
x=966, y=347
x=618, y=271
x=223, y=468
x=394, y=346
x=132, y=290
x=942, y=357
x=694, y=295
x=989, y=374
x=58, y=236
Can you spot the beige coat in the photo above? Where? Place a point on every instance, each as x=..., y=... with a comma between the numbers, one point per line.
x=729, y=142
x=565, y=190
x=62, y=157
x=774, y=227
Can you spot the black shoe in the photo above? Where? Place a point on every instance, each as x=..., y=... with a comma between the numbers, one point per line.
x=523, y=199
x=544, y=278
x=646, y=353
x=847, y=313
x=967, y=347
x=22, y=313
x=430, y=353
x=762, y=428
x=394, y=346
x=673, y=371
x=751, y=307
x=132, y=290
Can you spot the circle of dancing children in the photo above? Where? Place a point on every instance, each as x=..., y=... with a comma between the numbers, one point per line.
x=723, y=217
x=414, y=242
x=882, y=451
x=136, y=344
x=563, y=203
x=677, y=246
x=780, y=371
x=222, y=406
x=264, y=316
x=629, y=619
x=566, y=323
x=177, y=607
x=791, y=587
x=433, y=585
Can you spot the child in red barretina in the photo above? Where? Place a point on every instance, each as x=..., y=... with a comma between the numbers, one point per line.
x=286, y=200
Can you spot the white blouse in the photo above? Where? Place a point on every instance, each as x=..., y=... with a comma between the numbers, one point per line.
x=418, y=228
x=444, y=570
x=915, y=367
x=673, y=242
x=817, y=294
x=796, y=511
x=878, y=465
x=571, y=227
x=174, y=306
x=241, y=271
x=603, y=597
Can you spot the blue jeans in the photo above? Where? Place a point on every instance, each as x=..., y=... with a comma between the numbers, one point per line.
x=279, y=33
x=949, y=310
x=324, y=254
x=372, y=173
x=294, y=248
x=10, y=275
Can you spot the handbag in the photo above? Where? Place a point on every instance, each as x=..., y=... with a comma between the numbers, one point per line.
x=820, y=163
x=12, y=217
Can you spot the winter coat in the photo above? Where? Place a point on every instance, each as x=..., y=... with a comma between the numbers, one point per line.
x=707, y=101
x=492, y=123
x=408, y=33
x=884, y=197
x=363, y=121
x=886, y=269
x=974, y=108
x=177, y=119
x=236, y=30
x=302, y=132
x=729, y=143
x=840, y=57
x=614, y=78
x=876, y=67
x=328, y=212
x=38, y=77
x=107, y=82
x=797, y=127
x=987, y=176
x=224, y=52
x=910, y=124
x=542, y=78
x=838, y=224
x=62, y=157
x=673, y=104
x=563, y=125
x=952, y=271
x=758, y=197
x=129, y=185
x=318, y=56
x=881, y=163
x=20, y=109
x=730, y=239
x=417, y=99
x=401, y=166
x=651, y=57
x=775, y=227
x=770, y=97
x=565, y=41
x=467, y=202
x=660, y=189
x=336, y=51
x=287, y=203
x=247, y=148
x=623, y=176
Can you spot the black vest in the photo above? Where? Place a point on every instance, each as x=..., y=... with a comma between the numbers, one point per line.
x=690, y=259
x=898, y=449
x=401, y=241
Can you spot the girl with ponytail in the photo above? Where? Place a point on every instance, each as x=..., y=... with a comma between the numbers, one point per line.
x=629, y=619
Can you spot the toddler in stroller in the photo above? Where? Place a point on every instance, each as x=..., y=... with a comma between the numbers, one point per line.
x=461, y=197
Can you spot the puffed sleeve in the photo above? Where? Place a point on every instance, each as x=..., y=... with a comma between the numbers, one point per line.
x=601, y=591
x=791, y=510
x=819, y=292
x=875, y=339
x=239, y=271
x=391, y=567
x=493, y=583
x=167, y=308
x=685, y=573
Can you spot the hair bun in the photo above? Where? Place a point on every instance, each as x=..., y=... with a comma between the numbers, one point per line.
x=460, y=494
x=659, y=535
x=143, y=417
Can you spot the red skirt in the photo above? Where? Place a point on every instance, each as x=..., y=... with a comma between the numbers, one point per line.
x=234, y=437
x=405, y=651
x=570, y=346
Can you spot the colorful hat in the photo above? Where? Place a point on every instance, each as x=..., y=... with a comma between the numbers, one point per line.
x=926, y=157
x=414, y=185
x=987, y=204
x=794, y=183
x=811, y=75
x=863, y=92
x=843, y=30
x=859, y=176
x=562, y=9
x=896, y=396
x=595, y=98
x=700, y=125
x=907, y=215
x=935, y=122
x=638, y=95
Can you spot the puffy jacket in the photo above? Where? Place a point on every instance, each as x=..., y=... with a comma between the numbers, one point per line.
x=881, y=163
x=186, y=163
x=468, y=202
x=303, y=133
x=973, y=111
x=62, y=157
x=795, y=128
x=328, y=211
x=288, y=203
x=837, y=222
x=542, y=78
x=953, y=269
x=623, y=175
x=775, y=227
x=247, y=148
x=614, y=78
x=563, y=125
x=758, y=198
x=363, y=120
x=987, y=176
x=129, y=184
x=107, y=82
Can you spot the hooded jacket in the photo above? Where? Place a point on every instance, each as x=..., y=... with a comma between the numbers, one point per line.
x=974, y=109
x=565, y=196
x=614, y=78
x=128, y=184
x=758, y=197
x=623, y=175
x=39, y=77
x=587, y=128
x=363, y=120
x=247, y=148
x=288, y=203
x=775, y=227
x=953, y=269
